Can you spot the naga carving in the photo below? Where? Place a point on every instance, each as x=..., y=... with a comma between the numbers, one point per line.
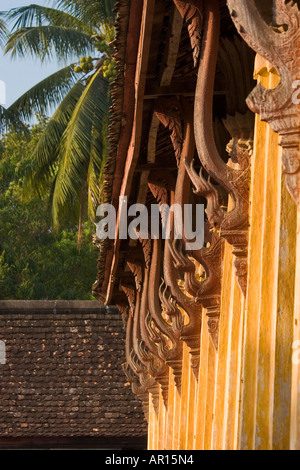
x=170, y=326
x=203, y=293
x=146, y=351
x=130, y=293
x=279, y=45
x=233, y=224
x=141, y=381
x=161, y=306
x=143, y=369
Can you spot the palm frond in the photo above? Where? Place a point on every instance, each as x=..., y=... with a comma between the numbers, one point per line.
x=9, y=120
x=37, y=15
x=3, y=32
x=46, y=94
x=94, y=12
x=44, y=159
x=44, y=41
x=77, y=144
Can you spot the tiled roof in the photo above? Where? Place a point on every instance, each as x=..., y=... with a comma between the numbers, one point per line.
x=63, y=375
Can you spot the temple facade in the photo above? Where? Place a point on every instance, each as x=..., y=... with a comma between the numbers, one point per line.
x=206, y=113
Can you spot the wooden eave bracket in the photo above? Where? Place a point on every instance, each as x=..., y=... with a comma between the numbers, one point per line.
x=277, y=106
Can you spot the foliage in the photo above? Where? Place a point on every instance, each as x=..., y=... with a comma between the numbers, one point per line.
x=3, y=30
x=35, y=262
x=67, y=161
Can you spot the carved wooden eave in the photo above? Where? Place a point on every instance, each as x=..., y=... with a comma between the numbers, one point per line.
x=147, y=344
x=121, y=122
x=176, y=77
x=280, y=46
x=176, y=115
x=159, y=301
x=233, y=225
x=139, y=360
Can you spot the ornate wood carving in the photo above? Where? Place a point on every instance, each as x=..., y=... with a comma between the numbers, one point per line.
x=280, y=46
x=191, y=332
x=240, y=150
x=205, y=293
x=209, y=293
x=137, y=270
x=142, y=383
x=160, y=192
x=148, y=356
x=161, y=336
x=206, y=189
x=130, y=293
x=170, y=349
x=233, y=225
x=168, y=111
x=192, y=13
x=146, y=246
x=144, y=397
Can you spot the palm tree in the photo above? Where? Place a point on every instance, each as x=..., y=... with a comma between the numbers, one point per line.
x=3, y=30
x=5, y=116
x=71, y=152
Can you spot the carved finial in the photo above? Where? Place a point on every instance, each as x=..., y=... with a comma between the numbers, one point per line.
x=129, y=291
x=146, y=245
x=192, y=12
x=168, y=111
x=195, y=361
x=206, y=189
x=136, y=269
x=213, y=328
x=159, y=192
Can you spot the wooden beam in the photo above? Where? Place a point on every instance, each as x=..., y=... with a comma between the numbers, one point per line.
x=154, y=166
x=154, y=90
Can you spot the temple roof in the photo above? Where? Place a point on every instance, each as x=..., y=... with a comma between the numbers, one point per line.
x=63, y=375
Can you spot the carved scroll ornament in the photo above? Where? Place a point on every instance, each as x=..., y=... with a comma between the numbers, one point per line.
x=201, y=293
x=141, y=381
x=168, y=111
x=161, y=309
x=233, y=225
x=192, y=13
x=143, y=369
x=170, y=292
x=147, y=350
x=279, y=45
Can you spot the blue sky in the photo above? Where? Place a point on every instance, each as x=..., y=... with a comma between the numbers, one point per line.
x=20, y=75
